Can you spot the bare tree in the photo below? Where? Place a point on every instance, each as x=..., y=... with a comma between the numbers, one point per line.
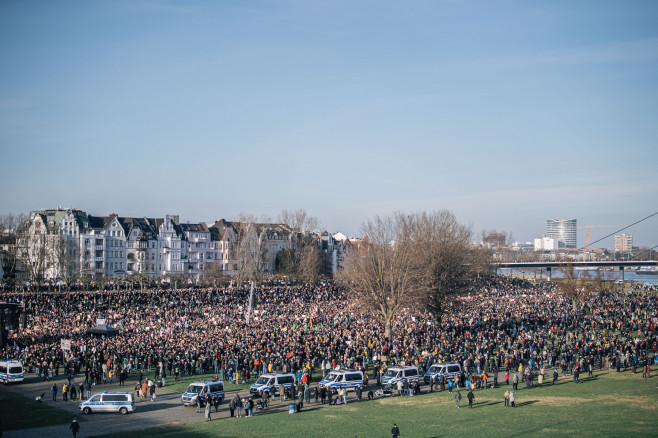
x=177, y=280
x=452, y=259
x=247, y=249
x=305, y=261
x=67, y=260
x=9, y=224
x=33, y=256
x=387, y=275
x=299, y=221
x=213, y=275
x=312, y=264
x=601, y=283
x=572, y=285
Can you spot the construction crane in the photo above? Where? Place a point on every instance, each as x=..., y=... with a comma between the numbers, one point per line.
x=588, y=226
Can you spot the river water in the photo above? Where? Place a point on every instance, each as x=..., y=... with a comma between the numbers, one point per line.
x=609, y=275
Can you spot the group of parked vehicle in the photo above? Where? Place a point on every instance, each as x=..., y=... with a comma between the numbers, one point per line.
x=11, y=371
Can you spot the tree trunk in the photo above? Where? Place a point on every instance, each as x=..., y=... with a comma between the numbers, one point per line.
x=387, y=330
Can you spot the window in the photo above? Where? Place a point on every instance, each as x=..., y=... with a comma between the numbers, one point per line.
x=115, y=398
x=99, y=241
x=99, y=253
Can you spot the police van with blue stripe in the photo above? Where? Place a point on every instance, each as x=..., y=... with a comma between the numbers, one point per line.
x=400, y=374
x=270, y=382
x=337, y=379
x=11, y=371
x=122, y=402
x=200, y=389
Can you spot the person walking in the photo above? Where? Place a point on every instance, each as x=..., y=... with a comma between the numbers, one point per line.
x=458, y=398
x=74, y=427
x=395, y=431
x=53, y=389
x=507, y=398
x=512, y=398
x=470, y=397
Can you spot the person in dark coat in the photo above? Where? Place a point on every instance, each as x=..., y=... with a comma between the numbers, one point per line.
x=234, y=404
x=470, y=397
x=74, y=427
x=395, y=431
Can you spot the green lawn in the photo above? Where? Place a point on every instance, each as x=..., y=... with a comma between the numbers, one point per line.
x=611, y=404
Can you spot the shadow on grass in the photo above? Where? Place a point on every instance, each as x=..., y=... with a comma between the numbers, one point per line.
x=486, y=403
x=525, y=403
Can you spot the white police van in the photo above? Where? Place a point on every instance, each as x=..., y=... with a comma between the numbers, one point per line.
x=122, y=402
x=400, y=374
x=210, y=387
x=271, y=382
x=348, y=379
x=11, y=371
x=447, y=370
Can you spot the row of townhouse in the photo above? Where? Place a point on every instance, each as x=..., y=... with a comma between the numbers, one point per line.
x=52, y=241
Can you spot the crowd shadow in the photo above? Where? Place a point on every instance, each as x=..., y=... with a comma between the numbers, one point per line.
x=525, y=403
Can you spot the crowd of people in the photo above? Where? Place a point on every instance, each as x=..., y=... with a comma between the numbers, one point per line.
x=498, y=324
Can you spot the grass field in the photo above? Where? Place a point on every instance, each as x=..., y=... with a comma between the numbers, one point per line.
x=610, y=404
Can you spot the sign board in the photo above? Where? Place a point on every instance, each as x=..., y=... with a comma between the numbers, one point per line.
x=66, y=344
x=100, y=321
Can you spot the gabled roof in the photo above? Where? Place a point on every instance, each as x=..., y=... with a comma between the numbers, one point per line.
x=219, y=229
x=198, y=228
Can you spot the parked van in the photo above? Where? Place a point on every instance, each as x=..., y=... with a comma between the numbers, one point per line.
x=271, y=382
x=11, y=371
x=395, y=374
x=122, y=402
x=211, y=387
x=348, y=379
x=447, y=370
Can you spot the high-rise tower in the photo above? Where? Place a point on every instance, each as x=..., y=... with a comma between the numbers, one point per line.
x=563, y=231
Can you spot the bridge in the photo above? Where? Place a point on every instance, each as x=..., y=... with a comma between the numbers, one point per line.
x=548, y=266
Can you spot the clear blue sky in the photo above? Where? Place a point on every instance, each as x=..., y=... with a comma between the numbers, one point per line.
x=507, y=113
